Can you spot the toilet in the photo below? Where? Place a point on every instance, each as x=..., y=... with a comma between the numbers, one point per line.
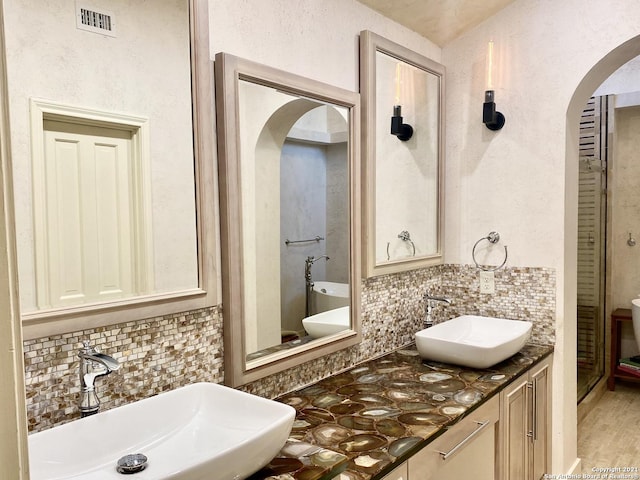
x=635, y=314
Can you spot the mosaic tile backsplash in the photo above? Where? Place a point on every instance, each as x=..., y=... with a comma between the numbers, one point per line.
x=164, y=353
x=155, y=355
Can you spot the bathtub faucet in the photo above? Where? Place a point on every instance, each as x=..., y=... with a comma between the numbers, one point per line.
x=307, y=267
x=93, y=364
x=308, y=263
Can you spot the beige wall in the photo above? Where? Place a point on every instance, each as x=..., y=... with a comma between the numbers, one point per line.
x=522, y=180
x=315, y=39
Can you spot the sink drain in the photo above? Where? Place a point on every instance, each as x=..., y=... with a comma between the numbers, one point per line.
x=133, y=463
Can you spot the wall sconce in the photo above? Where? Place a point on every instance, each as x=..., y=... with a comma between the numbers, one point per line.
x=403, y=131
x=490, y=117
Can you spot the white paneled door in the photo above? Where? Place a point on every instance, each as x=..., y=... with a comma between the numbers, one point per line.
x=87, y=239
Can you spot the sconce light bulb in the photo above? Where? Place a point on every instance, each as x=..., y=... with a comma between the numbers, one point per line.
x=397, y=111
x=490, y=65
x=489, y=96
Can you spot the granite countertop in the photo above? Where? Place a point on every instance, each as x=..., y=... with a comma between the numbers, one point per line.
x=360, y=424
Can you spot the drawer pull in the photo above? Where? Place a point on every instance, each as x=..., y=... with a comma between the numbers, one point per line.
x=481, y=426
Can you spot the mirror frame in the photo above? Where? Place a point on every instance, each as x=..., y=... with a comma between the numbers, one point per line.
x=228, y=71
x=370, y=44
x=67, y=319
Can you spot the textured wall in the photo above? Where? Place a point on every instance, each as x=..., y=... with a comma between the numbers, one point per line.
x=318, y=40
x=164, y=353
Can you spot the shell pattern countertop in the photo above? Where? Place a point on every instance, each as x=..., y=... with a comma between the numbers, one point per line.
x=359, y=424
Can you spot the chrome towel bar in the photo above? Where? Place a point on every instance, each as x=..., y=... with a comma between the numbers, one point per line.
x=317, y=238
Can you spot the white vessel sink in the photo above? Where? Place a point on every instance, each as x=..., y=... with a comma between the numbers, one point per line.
x=635, y=317
x=473, y=341
x=327, y=323
x=201, y=431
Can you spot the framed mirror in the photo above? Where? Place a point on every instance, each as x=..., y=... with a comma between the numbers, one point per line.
x=111, y=218
x=288, y=153
x=403, y=151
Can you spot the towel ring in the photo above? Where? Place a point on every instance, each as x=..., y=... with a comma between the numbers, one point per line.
x=493, y=237
x=405, y=236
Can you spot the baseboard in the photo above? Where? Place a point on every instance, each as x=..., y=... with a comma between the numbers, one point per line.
x=576, y=467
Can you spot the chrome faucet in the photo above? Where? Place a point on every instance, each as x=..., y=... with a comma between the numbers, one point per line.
x=308, y=263
x=93, y=364
x=428, y=321
x=307, y=266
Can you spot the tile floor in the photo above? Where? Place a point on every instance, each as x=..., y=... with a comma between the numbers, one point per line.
x=609, y=435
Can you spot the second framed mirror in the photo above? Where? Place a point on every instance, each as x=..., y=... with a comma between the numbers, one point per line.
x=290, y=174
x=403, y=152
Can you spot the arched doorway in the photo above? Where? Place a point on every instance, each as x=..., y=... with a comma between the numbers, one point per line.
x=585, y=89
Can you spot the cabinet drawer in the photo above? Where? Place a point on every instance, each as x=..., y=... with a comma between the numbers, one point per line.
x=398, y=473
x=469, y=446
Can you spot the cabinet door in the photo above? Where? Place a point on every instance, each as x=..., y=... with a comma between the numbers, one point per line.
x=466, y=450
x=398, y=473
x=541, y=403
x=514, y=421
x=525, y=418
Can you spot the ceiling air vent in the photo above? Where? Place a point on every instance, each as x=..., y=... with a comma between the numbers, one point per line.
x=94, y=21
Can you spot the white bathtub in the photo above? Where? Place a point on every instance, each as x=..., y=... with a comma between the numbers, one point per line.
x=327, y=323
x=329, y=296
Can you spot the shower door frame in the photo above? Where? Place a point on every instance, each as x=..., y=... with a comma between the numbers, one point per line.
x=601, y=160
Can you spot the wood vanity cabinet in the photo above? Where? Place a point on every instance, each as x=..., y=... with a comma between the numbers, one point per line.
x=525, y=417
x=466, y=448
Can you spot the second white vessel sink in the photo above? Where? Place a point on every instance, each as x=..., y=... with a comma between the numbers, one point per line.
x=198, y=432
x=473, y=341
x=327, y=323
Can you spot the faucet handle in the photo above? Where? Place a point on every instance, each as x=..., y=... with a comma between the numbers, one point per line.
x=87, y=348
